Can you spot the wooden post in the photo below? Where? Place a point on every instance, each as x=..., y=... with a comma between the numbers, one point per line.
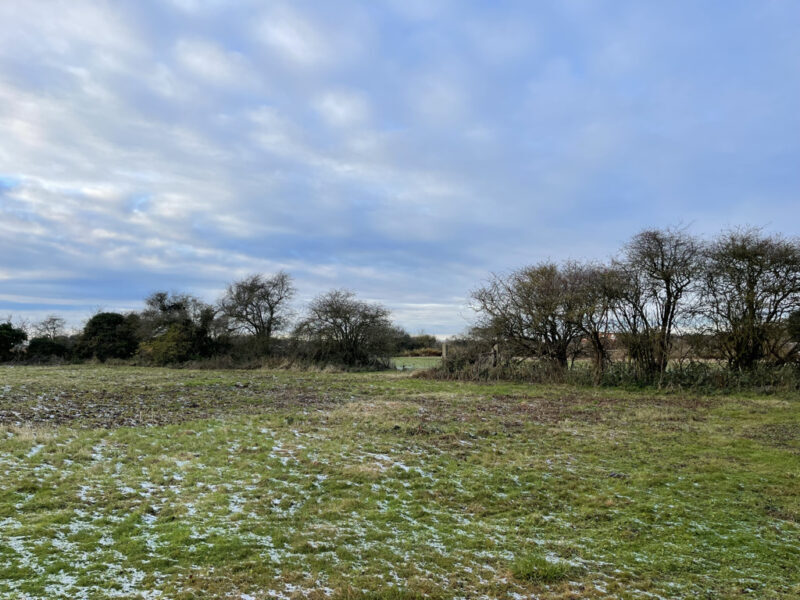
x=444, y=350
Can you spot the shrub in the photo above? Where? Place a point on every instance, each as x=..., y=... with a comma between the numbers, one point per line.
x=10, y=338
x=109, y=335
x=44, y=349
x=176, y=345
x=471, y=362
x=433, y=351
x=340, y=329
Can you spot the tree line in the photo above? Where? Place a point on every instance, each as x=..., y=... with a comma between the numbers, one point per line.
x=667, y=297
x=254, y=318
x=667, y=300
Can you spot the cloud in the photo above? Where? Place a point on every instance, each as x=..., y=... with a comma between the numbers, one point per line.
x=200, y=6
x=343, y=108
x=211, y=63
x=294, y=38
x=51, y=30
x=403, y=149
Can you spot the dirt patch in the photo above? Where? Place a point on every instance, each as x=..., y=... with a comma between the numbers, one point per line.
x=777, y=435
x=137, y=407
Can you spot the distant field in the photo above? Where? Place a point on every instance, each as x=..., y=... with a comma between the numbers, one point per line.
x=123, y=482
x=415, y=362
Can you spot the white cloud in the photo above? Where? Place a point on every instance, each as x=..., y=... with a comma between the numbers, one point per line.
x=64, y=28
x=200, y=6
x=163, y=81
x=294, y=38
x=332, y=36
x=432, y=143
x=211, y=63
x=343, y=108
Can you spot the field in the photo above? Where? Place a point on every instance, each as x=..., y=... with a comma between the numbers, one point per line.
x=406, y=363
x=128, y=483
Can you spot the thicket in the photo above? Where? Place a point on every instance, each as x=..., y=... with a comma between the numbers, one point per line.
x=253, y=324
x=671, y=310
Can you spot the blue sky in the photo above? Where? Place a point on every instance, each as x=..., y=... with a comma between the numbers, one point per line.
x=404, y=149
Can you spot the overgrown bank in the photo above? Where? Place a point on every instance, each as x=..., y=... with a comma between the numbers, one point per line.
x=706, y=377
x=671, y=311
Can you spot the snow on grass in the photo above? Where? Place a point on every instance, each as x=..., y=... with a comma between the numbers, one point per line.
x=35, y=450
x=315, y=501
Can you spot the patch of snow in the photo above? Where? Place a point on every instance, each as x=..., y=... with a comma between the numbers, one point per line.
x=35, y=450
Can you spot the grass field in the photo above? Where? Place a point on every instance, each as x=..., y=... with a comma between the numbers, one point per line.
x=123, y=482
x=410, y=363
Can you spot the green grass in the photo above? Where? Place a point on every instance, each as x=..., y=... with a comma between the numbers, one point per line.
x=531, y=567
x=405, y=363
x=126, y=482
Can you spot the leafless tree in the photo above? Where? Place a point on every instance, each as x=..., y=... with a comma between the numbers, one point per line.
x=21, y=323
x=50, y=327
x=595, y=287
x=750, y=286
x=259, y=305
x=340, y=327
x=534, y=311
x=658, y=270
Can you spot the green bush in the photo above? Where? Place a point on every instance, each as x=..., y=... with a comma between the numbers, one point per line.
x=177, y=345
x=109, y=335
x=44, y=348
x=10, y=337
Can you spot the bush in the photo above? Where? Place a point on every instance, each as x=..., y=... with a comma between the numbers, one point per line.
x=415, y=345
x=44, y=349
x=471, y=363
x=177, y=345
x=422, y=352
x=109, y=335
x=793, y=327
x=342, y=330
x=10, y=338
x=465, y=360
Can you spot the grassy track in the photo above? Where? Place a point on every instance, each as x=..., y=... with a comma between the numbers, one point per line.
x=122, y=482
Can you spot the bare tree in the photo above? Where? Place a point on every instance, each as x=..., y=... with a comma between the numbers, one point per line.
x=259, y=305
x=534, y=311
x=750, y=286
x=342, y=328
x=658, y=269
x=20, y=322
x=595, y=287
x=50, y=327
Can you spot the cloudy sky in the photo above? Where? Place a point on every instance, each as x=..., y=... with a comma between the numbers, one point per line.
x=404, y=149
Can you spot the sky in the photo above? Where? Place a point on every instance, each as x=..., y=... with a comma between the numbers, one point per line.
x=403, y=149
